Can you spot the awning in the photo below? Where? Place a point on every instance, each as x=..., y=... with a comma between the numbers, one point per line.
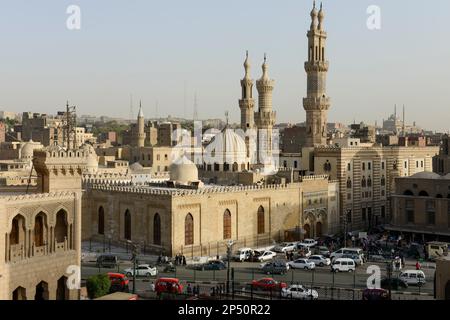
x=416, y=230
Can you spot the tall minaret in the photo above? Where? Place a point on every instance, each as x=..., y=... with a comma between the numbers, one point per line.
x=316, y=103
x=140, y=138
x=265, y=117
x=247, y=103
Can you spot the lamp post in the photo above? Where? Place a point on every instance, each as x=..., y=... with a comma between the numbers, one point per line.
x=134, y=256
x=229, y=248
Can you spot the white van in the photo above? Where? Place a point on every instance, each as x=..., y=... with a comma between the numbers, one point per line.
x=343, y=265
x=242, y=254
x=346, y=251
x=415, y=277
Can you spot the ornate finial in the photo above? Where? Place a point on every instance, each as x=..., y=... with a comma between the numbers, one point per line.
x=321, y=5
x=314, y=4
x=246, y=54
x=265, y=57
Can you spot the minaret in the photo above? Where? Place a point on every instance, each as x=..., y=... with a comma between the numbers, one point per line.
x=265, y=117
x=247, y=103
x=140, y=138
x=316, y=103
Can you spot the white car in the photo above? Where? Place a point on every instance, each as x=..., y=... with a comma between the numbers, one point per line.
x=309, y=242
x=298, y=291
x=266, y=256
x=285, y=247
x=302, y=264
x=414, y=277
x=319, y=260
x=142, y=270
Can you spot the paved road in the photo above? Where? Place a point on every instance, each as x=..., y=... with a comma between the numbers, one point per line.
x=321, y=278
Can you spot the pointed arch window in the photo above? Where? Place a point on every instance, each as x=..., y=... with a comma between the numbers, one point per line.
x=227, y=224
x=157, y=229
x=261, y=226
x=189, y=230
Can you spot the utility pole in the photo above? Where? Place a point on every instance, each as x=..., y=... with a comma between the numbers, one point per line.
x=229, y=248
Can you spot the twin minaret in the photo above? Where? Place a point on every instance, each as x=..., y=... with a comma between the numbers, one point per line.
x=316, y=103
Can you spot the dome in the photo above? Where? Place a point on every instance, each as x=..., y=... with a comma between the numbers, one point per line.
x=426, y=175
x=26, y=152
x=226, y=147
x=183, y=171
x=136, y=167
x=91, y=156
x=88, y=149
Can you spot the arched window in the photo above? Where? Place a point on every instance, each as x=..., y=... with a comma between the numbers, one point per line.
x=323, y=54
x=101, y=221
x=439, y=195
x=216, y=166
x=423, y=194
x=189, y=230
x=61, y=226
x=227, y=224
x=235, y=167
x=383, y=181
x=39, y=230
x=127, y=225
x=157, y=229
x=17, y=234
x=226, y=167
x=349, y=183
x=363, y=182
x=261, y=227
x=408, y=193
x=369, y=182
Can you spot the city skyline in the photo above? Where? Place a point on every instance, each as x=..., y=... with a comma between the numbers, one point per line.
x=99, y=66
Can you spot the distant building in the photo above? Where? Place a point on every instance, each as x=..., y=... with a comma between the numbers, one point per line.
x=2, y=132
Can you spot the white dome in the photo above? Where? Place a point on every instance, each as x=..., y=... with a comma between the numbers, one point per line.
x=26, y=152
x=226, y=147
x=136, y=167
x=426, y=175
x=183, y=171
x=91, y=156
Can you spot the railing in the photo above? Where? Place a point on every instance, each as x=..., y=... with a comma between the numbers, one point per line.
x=39, y=251
x=16, y=252
x=61, y=246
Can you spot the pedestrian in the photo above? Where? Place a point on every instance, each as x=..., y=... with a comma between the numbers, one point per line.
x=189, y=289
x=159, y=258
x=152, y=287
x=184, y=260
x=418, y=265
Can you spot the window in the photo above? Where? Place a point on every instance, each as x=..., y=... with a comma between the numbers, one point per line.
x=409, y=210
x=349, y=167
x=431, y=215
x=165, y=157
x=349, y=196
x=157, y=157
x=227, y=224
x=382, y=165
x=295, y=164
x=349, y=183
x=216, y=167
x=363, y=214
x=261, y=226
x=363, y=182
x=285, y=163
x=369, y=166
x=369, y=182
x=39, y=230
x=61, y=226
x=157, y=229
x=417, y=164
x=421, y=164
x=349, y=216
x=383, y=193
x=127, y=225
x=383, y=181
x=406, y=164
x=364, y=166
x=189, y=230
x=101, y=221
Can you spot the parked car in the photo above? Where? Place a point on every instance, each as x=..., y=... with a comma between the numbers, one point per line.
x=267, y=255
x=322, y=250
x=210, y=265
x=242, y=254
x=396, y=283
x=268, y=284
x=142, y=270
x=309, y=242
x=107, y=261
x=119, y=282
x=319, y=260
x=285, y=247
x=413, y=277
x=343, y=265
x=168, y=285
x=357, y=258
x=302, y=264
x=339, y=253
x=298, y=291
x=375, y=294
x=275, y=267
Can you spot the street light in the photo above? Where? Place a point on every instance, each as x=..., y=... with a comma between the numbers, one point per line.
x=134, y=256
x=229, y=248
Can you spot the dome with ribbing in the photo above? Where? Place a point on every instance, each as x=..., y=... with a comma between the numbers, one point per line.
x=27, y=149
x=183, y=171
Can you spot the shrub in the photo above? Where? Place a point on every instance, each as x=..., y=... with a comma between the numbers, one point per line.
x=98, y=286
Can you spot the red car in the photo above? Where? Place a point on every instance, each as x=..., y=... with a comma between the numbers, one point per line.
x=268, y=284
x=169, y=285
x=119, y=282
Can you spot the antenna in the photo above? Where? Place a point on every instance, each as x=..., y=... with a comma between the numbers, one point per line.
x=70, y=127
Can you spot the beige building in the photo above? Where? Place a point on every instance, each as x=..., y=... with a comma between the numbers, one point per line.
x=443, y=278
x=42, y=230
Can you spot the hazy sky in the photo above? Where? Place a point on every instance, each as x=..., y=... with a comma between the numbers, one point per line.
x=151, y=48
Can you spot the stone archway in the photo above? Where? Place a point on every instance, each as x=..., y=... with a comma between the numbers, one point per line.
x=41, y=291
x=62, y=293
x=319, y=229
x=307, y=229
x=19, y=294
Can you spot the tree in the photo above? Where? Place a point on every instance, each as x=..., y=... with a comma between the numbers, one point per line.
x=98, y=286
